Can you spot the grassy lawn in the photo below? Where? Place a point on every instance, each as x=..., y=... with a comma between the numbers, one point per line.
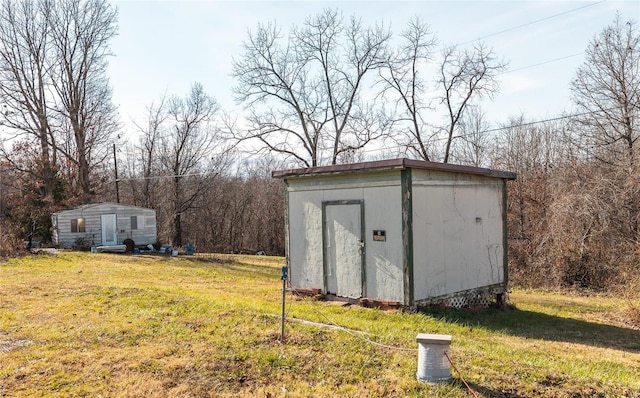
x=78, y=324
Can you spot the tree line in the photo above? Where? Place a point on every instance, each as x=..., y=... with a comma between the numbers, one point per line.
x=323, y=92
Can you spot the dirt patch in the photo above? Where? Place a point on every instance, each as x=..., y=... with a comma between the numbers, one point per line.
x=8, y=344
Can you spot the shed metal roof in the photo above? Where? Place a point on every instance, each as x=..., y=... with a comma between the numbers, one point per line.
x=392, y=164
x=90, y=205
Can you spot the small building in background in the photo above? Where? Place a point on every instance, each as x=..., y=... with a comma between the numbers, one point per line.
x=103, y=224
x=400, y=230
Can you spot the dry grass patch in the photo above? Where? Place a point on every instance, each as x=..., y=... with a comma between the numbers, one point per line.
x=78, y=324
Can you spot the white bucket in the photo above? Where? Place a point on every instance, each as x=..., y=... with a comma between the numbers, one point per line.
x=433, y=365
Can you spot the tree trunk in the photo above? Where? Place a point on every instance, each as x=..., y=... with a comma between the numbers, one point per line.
x=177, y=219
x=47, y=169
x=84, y=181
x=177, y=236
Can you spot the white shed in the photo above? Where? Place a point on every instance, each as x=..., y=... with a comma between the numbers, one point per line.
x=399, y=230
x=103, y=224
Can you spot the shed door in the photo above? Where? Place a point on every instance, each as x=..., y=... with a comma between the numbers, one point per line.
x=109, y=237
x=343, y=248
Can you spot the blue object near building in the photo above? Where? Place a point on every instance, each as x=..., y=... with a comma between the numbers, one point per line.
x=190, y=249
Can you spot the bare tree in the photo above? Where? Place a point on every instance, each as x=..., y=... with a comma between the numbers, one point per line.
x=466, y=75
x=534, y=152
x=305, y=94
x=587, y=241
x=475, y=140
x=187, y=151
x=403, y=77
x=81, y=30
x=149, y=149
x=53, y=71
x=52, y=81
x=573, y=211
x=606, y=92
x=25, y=82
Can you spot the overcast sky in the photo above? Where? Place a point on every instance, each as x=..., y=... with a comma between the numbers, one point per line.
x=165, y=46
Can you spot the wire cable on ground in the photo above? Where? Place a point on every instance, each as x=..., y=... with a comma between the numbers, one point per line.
x=460, y=374
x=352, y=333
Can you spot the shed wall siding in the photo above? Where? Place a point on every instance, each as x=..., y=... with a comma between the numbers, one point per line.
x=380, y=193
x=54, y=232
x=458, y=235
x=445, y=226
x=93, y=229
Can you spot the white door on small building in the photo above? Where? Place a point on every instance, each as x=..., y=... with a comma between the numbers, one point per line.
x=109, y=232
x=343, y=249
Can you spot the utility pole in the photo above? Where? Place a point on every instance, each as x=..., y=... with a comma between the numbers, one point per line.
x=115, y=164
